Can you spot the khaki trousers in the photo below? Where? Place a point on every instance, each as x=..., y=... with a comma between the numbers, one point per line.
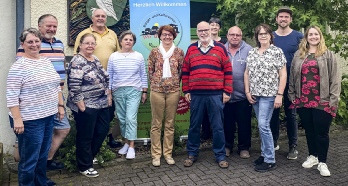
x=163, y=104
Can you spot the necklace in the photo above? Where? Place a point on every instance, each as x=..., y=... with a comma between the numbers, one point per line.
x=125, y=54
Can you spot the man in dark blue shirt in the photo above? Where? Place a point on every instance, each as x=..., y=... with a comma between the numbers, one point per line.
x=288, y=40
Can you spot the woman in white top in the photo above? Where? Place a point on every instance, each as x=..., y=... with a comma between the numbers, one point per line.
x=265, y=79
x=34, y=98
x=128, y=83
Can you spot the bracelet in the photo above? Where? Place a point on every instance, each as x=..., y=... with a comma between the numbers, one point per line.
x=144, y=92
x=59, y=105
x=279, y=94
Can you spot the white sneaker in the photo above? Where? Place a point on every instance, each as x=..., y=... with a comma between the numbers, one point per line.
x=130, y=153
x=91, y=173
x=276, y=147
x=124, y=149
x=310, y=162
x=324, y=171
x=96, y=162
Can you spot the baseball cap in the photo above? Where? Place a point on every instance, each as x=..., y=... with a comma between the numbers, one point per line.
x=284, y=9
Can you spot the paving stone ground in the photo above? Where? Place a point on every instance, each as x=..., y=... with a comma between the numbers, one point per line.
x=206, y=172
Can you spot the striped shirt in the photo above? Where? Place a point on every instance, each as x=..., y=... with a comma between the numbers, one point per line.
x=33, y=85
x=54, y=52
x=127, y=70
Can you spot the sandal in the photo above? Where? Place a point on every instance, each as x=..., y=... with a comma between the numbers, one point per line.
x=189, y=161
x=223, y=164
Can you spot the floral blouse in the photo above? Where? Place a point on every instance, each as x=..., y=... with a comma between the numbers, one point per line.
x=310, y=88
x=87, y=81
x=263, y=70
x=155, y=65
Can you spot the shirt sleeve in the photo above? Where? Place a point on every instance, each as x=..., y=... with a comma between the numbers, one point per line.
x=143, y=74
x=110, y=70
x=75, y=78
x=14, y=83
x=186, y=72
x=151, y=64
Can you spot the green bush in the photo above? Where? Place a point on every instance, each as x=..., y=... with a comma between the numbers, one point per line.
x=342, y=111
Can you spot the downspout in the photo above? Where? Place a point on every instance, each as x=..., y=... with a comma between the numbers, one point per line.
x=19, y=20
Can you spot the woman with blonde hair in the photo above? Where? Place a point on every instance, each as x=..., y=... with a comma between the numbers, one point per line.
x=314, y=89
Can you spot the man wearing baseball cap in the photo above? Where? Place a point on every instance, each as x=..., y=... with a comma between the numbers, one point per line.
x=288, y=40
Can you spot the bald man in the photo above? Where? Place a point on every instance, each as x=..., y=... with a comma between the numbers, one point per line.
x=207, y=84
x=237, y=110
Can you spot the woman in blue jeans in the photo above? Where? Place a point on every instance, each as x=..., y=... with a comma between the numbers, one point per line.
x=265, y=79
x=33, y=109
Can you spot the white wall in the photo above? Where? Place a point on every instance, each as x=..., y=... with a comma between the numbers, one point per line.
x=7, y=53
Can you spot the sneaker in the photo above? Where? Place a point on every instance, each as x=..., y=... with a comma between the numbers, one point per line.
x=310, y=162
x=130, y=153
x=276, y=147
x=54, y=165
x=244, y=154
x=170, y=161
x=95, y=161
x=259, y=161
x=91, y=173
x=292, y=155
x=156, y=162
x=264, y=167
x=324, y=171
x=50, y=182
x=124, y=149
x=228, y=152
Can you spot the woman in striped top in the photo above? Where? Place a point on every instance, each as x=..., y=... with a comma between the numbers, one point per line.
x=128, y=82
x=89, y=100
x=34, y=98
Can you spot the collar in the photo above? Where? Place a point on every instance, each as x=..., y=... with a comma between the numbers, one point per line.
x=211, y=44
x=45, y=41
x=106, y=30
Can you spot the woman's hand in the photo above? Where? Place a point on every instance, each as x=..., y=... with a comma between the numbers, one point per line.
x=143, y=97
x=293, y=101
x=278, y=101
x=251, y=98
x=109, y=100
x=61, y=113
x=81, y=105
x=18, y=126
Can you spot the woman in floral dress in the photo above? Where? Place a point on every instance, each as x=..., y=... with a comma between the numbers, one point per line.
x=314, y=89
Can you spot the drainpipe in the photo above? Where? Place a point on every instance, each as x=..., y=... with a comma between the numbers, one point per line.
x=19, y=20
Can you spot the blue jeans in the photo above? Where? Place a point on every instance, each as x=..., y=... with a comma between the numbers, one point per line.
x=263, y=109
x=34, y=144
x=214, y=106
x=127, y=100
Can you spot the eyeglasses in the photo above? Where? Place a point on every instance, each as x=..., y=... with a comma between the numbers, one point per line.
x=205, y=31
x=263, y=34
x=90, y=44
x=167, y=35
x=235, y=35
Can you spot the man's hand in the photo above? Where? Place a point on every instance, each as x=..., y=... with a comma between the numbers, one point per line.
x=225, y=98
x=188, y=97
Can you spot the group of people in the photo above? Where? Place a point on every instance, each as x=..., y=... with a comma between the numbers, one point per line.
x=222, y=81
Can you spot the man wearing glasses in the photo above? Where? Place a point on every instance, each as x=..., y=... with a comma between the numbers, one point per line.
x=207, y=84
x=237, y=109
x=288, y=40
x=107, y=43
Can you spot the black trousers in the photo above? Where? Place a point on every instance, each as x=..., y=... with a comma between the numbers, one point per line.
x=92, y=126
x=316, y=124
x=238, y=114
x=291, y=124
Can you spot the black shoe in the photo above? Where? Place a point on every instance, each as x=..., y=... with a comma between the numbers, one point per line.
x=259, y=161
x=264, y=167
x=113, y=143
x=50, y=182
x=54, y=165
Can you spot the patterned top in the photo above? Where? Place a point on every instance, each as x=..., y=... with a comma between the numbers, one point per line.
x=54, y=52
x=87, y=81
x=310, y=88
x=263, y=70
x=33, y=85
x=155, y=66
x=127, y=70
